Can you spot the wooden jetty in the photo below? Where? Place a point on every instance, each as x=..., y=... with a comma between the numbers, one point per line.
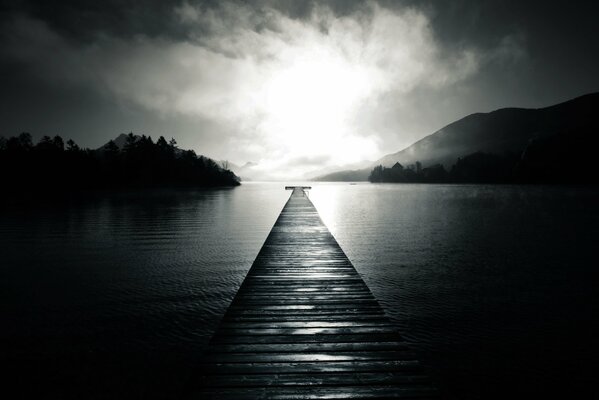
x=304, y=325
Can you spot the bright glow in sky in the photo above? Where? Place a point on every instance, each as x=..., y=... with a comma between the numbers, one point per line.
x=309, y=105
x=294, y=96
x=295, y=87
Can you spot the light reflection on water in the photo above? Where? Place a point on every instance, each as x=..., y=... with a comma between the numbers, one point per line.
x=493, y=285
x=121, y=294
x=490, y=284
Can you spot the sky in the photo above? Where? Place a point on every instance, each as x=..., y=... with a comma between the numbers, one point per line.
x=296, y=87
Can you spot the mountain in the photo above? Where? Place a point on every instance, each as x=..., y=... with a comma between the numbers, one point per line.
x=120, y=142
x=334, y=171
x=507, y=130
x=345, y=176
x=246, y=172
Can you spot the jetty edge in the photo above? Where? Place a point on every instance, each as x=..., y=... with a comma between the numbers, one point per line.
x=304, y=325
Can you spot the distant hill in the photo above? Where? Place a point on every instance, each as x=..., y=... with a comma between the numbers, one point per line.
x=245, y=172
x=331, y=172
x=120, y=142
x=345, y=176
x=507, y=130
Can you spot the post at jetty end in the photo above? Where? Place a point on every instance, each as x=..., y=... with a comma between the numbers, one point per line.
x=303, y=190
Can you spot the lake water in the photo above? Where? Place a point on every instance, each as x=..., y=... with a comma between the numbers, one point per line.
x=116, y=297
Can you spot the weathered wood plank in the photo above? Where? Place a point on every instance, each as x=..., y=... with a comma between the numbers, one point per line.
x=316, y=392
x=291, y=318
x=304, y=325
x=307, y=357
x=306, y=347
x=354, y=337
x=311, y=367
x=331, y=379
x=307, y=296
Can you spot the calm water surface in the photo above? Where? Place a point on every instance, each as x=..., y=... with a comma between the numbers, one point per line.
x=492, y=285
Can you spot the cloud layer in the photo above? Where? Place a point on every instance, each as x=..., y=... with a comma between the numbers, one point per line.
x=293, y=86
x=284, y=89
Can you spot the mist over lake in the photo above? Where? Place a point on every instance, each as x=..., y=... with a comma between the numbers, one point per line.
x=119, y=295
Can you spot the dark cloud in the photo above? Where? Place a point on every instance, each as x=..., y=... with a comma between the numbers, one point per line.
x=85, y=20
x=549, y=24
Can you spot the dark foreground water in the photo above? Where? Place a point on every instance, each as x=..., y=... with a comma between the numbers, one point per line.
x=116, y=297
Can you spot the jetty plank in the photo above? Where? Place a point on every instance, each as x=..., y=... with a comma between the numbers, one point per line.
x=304, y=325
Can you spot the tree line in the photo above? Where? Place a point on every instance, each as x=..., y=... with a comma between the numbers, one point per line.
x=567, y=158
x=53, y=165
x=474, y=168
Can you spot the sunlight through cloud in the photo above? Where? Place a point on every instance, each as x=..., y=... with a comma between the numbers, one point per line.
x=293, y=95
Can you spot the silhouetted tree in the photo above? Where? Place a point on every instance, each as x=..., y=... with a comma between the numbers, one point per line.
x=45, y=144
x=111, y=150
x=72, y=146
x=25, y=141
x=130, y=143
x=47, y=167
x=58, y=143
x=162, y=144
x=434, y=174
x=377, y=174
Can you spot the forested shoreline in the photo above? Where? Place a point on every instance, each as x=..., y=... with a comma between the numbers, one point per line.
x=564, y=158
x=54, y=166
